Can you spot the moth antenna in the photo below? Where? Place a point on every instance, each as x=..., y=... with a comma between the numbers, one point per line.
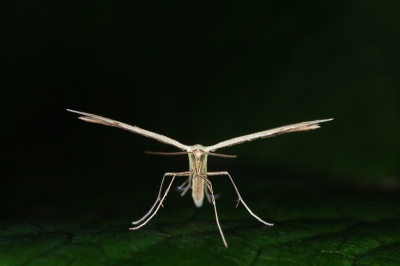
x=222, y=155
x=166, y=153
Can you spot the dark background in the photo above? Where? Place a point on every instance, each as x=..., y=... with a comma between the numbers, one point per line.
x=199, y=73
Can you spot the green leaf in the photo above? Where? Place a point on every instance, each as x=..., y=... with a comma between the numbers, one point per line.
x=331, y=225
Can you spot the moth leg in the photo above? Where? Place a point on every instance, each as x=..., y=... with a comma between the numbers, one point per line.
x=185, y=189
x=159, y=195
x=155, y=203
x=208, y=194
x=209, y=186
x=239, y=197
x=184, y=183
x=226, y=173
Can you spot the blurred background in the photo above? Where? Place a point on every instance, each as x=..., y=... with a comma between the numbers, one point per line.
x=199, y=73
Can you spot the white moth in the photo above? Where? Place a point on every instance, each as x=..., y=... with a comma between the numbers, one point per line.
x=198, y=176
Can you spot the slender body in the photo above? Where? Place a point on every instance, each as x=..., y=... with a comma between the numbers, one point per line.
x=198, y=167
x=197, y=175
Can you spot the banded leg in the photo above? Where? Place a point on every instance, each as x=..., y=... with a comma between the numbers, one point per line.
x=239, y=197
x=159, y=194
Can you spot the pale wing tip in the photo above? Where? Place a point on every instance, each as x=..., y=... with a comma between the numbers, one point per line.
x=324, y=120
x=73, y=111
x=81, y=113
x=84, y=117
x=315, y=124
